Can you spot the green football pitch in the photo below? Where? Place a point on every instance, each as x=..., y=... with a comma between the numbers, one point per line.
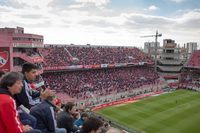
x=175, y=112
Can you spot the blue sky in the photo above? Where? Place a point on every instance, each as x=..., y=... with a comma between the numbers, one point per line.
x=104, y=22
x=166, y=7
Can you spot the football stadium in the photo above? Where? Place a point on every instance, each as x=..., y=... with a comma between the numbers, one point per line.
x=93, y=89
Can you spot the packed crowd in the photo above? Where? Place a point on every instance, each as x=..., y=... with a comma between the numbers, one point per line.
x=56, y=56
x=106, y=55
x=28, y=51
x=84, y=84
x=190, y=79
x=194, y=60
x=63, y=55
x=25, y=110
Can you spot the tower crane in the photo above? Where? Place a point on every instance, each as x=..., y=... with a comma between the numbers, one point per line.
x=156, y=42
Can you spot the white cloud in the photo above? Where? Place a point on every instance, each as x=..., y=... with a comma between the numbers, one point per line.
x=189, y=20
x=95, y=2
x=35, y=3
x=152, y=8
x=76, y=6
x=75, y=23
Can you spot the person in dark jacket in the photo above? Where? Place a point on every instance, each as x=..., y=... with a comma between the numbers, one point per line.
x=25, y=99
x=45, y=115
x=65, y=118
x=29, y=97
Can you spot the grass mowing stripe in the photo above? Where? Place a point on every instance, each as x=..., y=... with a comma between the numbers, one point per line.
x=172, y=118
x=159, y=116
x=160, y=113
x=186, y=124
x=138, y=112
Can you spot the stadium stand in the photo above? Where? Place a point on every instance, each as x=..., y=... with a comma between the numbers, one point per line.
x=83, y=84
x=66, y=55
x=190, y=76
x=55, y=56
x=194, y=61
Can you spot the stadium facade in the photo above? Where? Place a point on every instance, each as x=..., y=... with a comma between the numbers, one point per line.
x=14, y=44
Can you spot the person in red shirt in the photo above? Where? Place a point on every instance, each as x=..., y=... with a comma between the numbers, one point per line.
x=10, y=84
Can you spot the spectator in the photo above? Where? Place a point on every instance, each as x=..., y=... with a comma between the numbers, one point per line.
x=45, y=114
x=11, y=84
x=29, y=97
x=80, y=121
x=105, y=127
x=92, y=125
x=65, y=118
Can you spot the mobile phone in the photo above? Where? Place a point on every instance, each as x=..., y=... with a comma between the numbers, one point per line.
x=41, y=85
